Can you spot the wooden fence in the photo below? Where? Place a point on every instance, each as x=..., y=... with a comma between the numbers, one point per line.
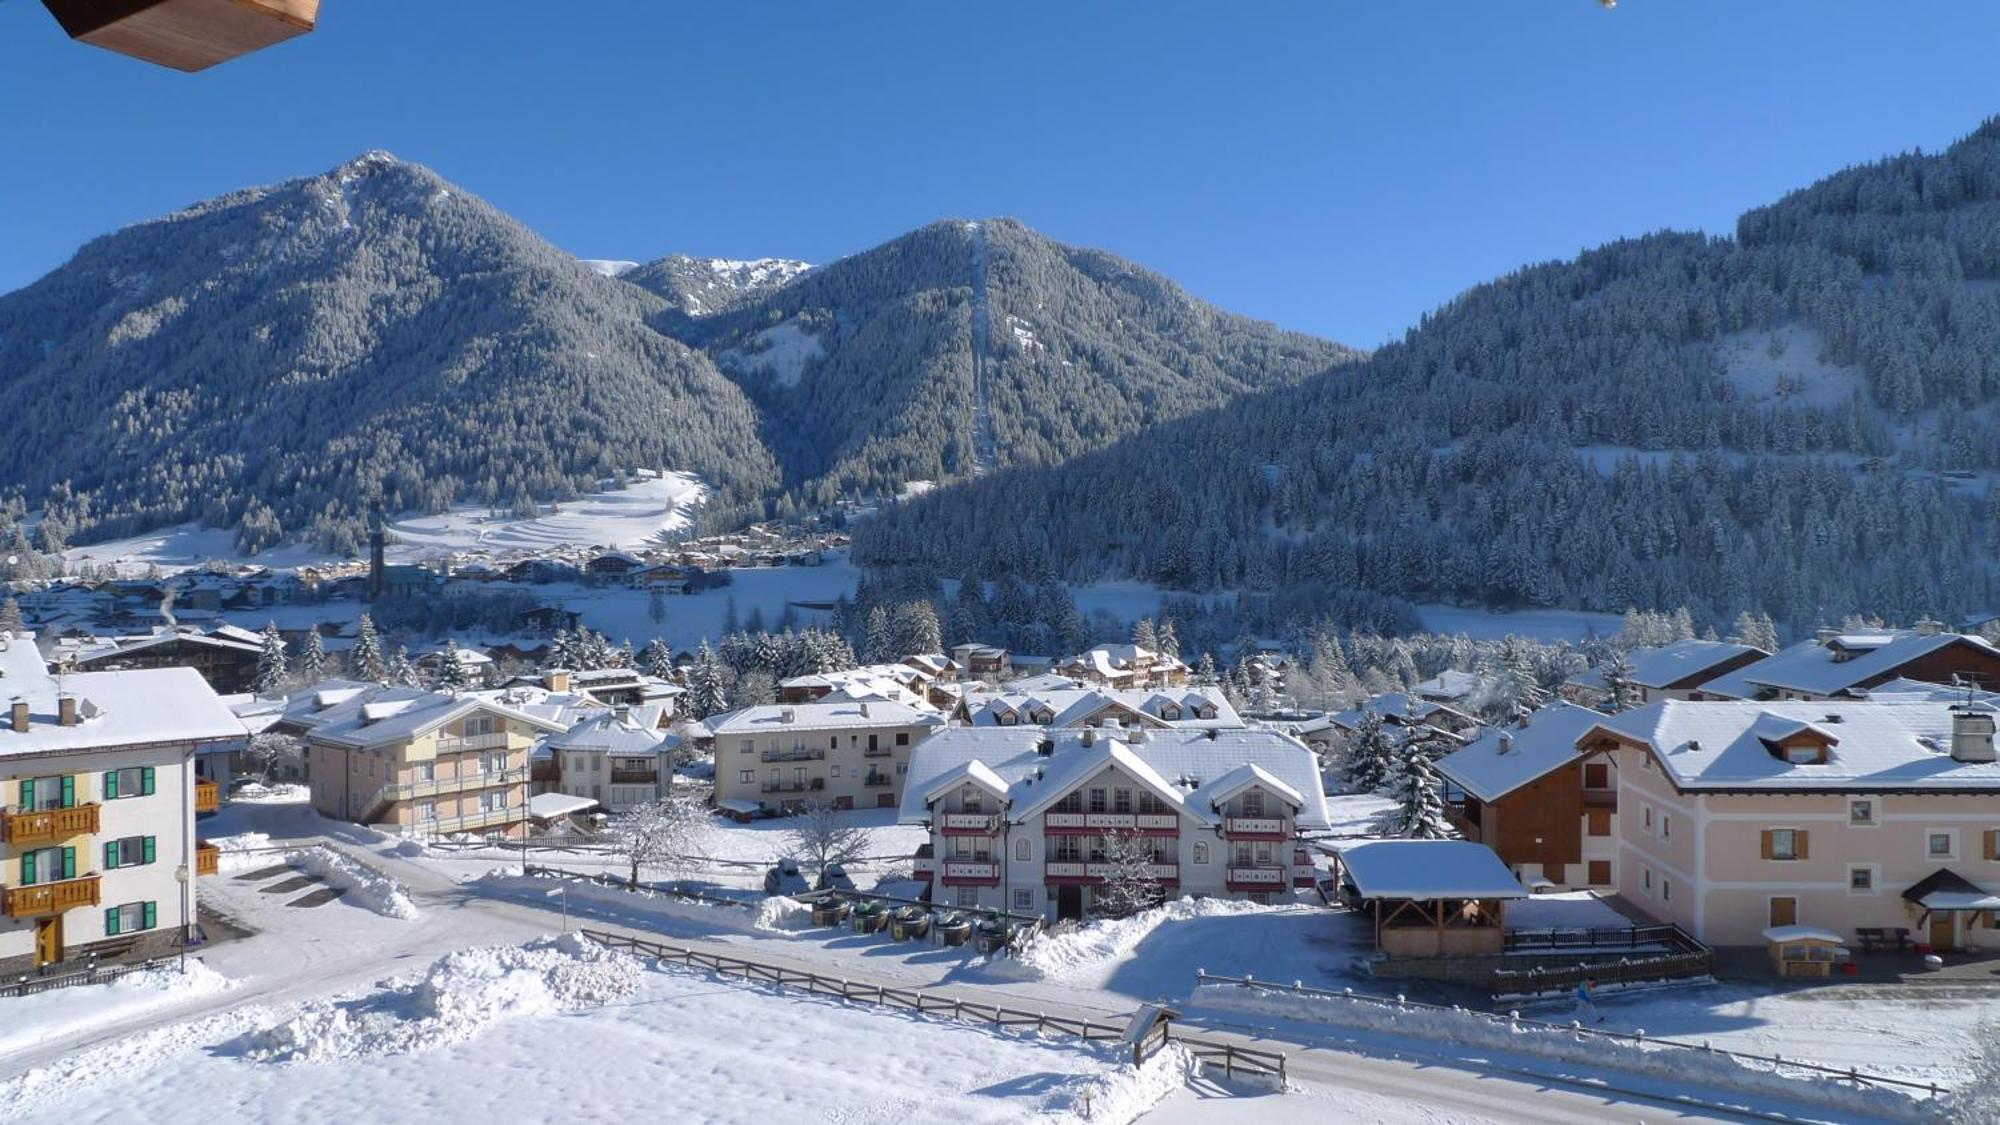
x=1658, y=953
x=1233, y=1060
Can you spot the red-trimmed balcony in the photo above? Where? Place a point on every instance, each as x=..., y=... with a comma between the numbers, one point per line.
x=1272, y=828
x=1256, y=878
x=1058, y=873
x=970, y=873
x=923, y=865
x=1100, y=823
x=969, y=824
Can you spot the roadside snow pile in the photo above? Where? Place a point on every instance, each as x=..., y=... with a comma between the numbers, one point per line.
x=364, y=885
x=1125, y=1094
x=1062, y=954
x=1477, y=1030
x=458, y=997
x=280, y=794
x=780, y=912
x=238, y=851
x=33, y=1020
x=615, y=901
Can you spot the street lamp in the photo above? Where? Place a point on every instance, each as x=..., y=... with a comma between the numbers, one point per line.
x=181, y=877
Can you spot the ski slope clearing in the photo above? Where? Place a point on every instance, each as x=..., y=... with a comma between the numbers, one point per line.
x=648, y=511
x=551, y=1029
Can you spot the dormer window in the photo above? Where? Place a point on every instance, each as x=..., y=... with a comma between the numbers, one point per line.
x=1008, y=719
x=1253, y=803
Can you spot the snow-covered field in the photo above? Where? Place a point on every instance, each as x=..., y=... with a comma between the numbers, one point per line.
x=1538, y=624
x=558, y=1028
x=652, y=507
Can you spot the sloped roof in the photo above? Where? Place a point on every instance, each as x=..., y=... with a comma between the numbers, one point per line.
x=1810, y=667
x=1424, y=870
x=399, y=714
x=1502, y=759
x=1670, y=664
x=115, y=708
x=1245, y=776
x=823, y=715
x=606, y=734
x=1883, y=746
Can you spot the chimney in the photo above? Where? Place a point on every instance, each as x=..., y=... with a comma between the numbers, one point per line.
x=20, y=716
x=557, y=679
x=1506, y=741
x=1972, y=735
x=1929, y=627
x=66, y=714
x=1826, y=633
x=1090, y=736
x=1136, y=736
x=622, y=712
x=864, y=709
x=788, y=716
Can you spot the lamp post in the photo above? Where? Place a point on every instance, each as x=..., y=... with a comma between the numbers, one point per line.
x=562, y=892
x=181, y=877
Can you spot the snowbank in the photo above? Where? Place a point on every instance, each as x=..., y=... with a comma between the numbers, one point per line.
x=1125, y=1094
x=364, y=885
x=779, y=913
x=35, y=1019
x=457, y=998
x=585, y=897
x=1064, y=954
x=244, y=851
x=1476, y=1030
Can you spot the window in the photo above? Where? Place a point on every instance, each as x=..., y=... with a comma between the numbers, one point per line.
x=497, y=763
x=1022, y=850
x=1599, y=821
x=1024, y=898
x=1784, y=844
x=1600, y=872
x=1861, y=879
x=1941, y=843
x=969, y=799
x=872, y=739
x=1200, y=852
x=1596, y=775
x=42, y=793
x=129, y=918
x=131, y=782
x=1861, y=811
x=902, y=768
x=1666, y=826
x=1121, y=800
x=902, y=738
x=427, y=811
x=132, y=851
x=1649, y=818
x=1666, y=890
x=746, y=746
x=1253, y=803
x=834, y=770
x=1068, y=849
x=968, y=896
x=495, y=801
x=745, y=777
x=47, y=865
x=1097, y=800
x=1646, y=876
x=426, y=771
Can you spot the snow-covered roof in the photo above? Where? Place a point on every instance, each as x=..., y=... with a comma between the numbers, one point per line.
x=152, y=705
x=1840, y=665
x=397, y=714
x=1502, y=759
x=1778, y=935
x=1681, y=661
x=818, y=716
x=169, y=636
x=548, y=806
x=1183, y=767
x=1428, y=869
x=973, y=772
x=1452, y=685
x=1073, y=706
x=1881, y=747
x=606, y=733
x=1396, y=707
x=1246, y=776
x=1902, y=689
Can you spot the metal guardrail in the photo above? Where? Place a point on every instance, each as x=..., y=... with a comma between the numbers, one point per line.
x=1232, y=1058
x=1514, y=1020
x=96, y=974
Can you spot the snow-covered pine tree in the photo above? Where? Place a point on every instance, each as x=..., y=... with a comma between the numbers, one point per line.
x=708, y=692
x=312, y=658
x=1169, y=638
x=878, y=642
x=1130, y=884
x=454, y=674
x=1621, y=694
x=401, y=671
x=271, y=665
x=916, y=630
x=656, y=659
x=1371, y=755
x=1419, y=813
x=1145, y=636
x=1204, y=671
x=10, y=617
x=364, y=660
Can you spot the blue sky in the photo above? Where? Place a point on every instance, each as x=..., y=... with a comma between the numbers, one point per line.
x=1339, y=168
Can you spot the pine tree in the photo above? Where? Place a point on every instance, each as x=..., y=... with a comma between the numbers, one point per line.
x=656, y=659
x=1204, y=670
x=401, y=672
x=708, y=692
x=364, y=660
x=271, y=661
x=1169, y=638
x=1622, y=694
x=878, y=643
x=916, y=630
x=1371, y=755
x=1419, y=813
x=10, y=618
x=563, y=651
x=454, y=675
x=1144, y=636
x=312, y=659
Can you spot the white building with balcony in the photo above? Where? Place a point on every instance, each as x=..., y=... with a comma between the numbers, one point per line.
x=1030, y=819
x=612, y=758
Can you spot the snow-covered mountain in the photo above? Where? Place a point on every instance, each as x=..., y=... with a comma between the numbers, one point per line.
x=706, y=286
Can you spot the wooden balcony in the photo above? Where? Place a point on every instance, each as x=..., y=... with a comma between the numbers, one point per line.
x=51, y=898
x=47, y=825
x=1258, y=878
x=1601, y=799
x=1057, y=872
x=1254, y=828
x=970, y=873
x=207, y=858
x=1104, y=823
x=969, y=824
x=207, y=796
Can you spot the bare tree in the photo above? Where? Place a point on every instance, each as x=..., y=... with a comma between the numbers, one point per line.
x=658, y=834
x=822, y=838
x=272, y=753
x=1131, y=884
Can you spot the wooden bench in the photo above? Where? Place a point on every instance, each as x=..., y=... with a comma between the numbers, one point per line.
x=1883, y=937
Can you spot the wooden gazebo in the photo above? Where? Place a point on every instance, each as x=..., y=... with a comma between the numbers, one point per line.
x=1429, y=898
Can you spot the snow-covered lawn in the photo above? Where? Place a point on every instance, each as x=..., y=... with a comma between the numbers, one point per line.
x=32, y=1019
x=557, y=1029
x=1356, y=813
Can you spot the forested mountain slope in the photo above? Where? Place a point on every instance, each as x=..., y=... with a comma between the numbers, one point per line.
x=1797, y=420
x=964, y=347
x=705, y=286
x=280, y=359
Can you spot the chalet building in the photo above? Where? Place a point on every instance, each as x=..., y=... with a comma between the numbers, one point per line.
x=421, y=763
x=1404, y=713
x=227, y=663
x=548, y=620
x=848, y=754
x=614, y=564
x=892, y=683
x=97, y=824
x=1083, y=707
x=1546, y=808
x=1845, y=816
x=1125, y=666
x=1847, y=665
x=480, y=665
x=612, y=759
x=1678, y=670
x=1455, y=688
x=610, y=687
x=1027, y=819
x=982, y=662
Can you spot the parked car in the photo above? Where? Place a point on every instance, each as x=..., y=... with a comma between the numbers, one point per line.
x=785, y=879
x=834, y=878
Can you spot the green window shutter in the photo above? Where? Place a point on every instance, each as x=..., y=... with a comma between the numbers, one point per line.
x=146, y=781
x=110, y=854
x=69, y=863
x=28, y=793
x=69, y=791
x=148, y=912
x=110, y=785
x=148, y=847
x=28, y=869
x=111, y=922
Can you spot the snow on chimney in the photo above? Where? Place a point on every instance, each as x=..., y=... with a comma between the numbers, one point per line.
x=20, y=716
x=66, y=712
x=558, y=679
x=1506, y=741
x=1929, y=627
x=1972, y=734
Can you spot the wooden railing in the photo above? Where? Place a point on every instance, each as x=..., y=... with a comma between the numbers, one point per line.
x=47, y=824
x=207, y=858
x=51, y=898
x=1234, y=1060
x=207, y=796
